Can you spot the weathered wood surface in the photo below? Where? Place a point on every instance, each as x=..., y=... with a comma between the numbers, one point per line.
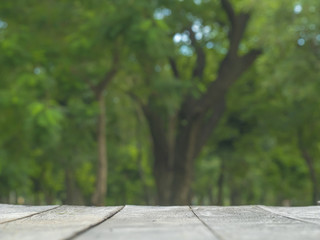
x=258, y=222
x=60, y=223
x=307, y=214
x=11, y=212
x=146, y=222
x=135, y=222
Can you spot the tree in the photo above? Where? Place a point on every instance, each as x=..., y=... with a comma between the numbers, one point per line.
x=179, y=137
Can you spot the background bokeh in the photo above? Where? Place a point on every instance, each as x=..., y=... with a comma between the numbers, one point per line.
x=160, y=102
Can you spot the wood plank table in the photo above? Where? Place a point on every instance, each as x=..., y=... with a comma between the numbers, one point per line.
x=152, y=222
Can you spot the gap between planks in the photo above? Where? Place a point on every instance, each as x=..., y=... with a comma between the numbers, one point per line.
x=77, y=234
x=203, y=222
x=31, y=215
x=214, y=233
x=151, y=222
x=285, y=215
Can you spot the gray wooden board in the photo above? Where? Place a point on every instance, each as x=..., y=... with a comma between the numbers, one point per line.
x=255, y=222
x=141, y=222
x=145, y=222
x=12, y=212
x=59, y=223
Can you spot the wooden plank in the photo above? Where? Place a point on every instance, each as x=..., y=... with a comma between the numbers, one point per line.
x=60, y=223
x=308, y=214
x=13, y=212
x=254, y=222
x=141, y=222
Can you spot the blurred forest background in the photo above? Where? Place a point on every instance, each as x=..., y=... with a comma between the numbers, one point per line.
x=160, y=102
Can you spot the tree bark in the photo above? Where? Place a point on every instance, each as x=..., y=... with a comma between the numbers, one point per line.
x=162, y=168
x=99, y=195
x=184, y=163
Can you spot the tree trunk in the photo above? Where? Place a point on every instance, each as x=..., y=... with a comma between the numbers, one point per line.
x=234, y=195
x=162, y=169
x=163, y=177
x=146, y=190
x=99, y=195
x=313, y=176
x=181, y=184
x=175, y=150
x=184, y=163
x=310, y=164
x=221, y=183
x=74, y=196
x=196, y=122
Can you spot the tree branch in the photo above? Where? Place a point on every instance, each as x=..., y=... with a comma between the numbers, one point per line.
x=238, y=25
x=201, y=56
x=134, y=97
x=248, y=59
x=229, y=11
x=237, y=31
x=231, y=68
x=101, y=86
x=174, y=67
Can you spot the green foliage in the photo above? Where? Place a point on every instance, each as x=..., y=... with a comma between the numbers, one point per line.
x=50, y=50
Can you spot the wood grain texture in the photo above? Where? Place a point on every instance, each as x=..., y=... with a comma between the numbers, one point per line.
x=255, y=222
x=60, y=223
x=141, y=222
x=310, y=214
x=13, y=212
